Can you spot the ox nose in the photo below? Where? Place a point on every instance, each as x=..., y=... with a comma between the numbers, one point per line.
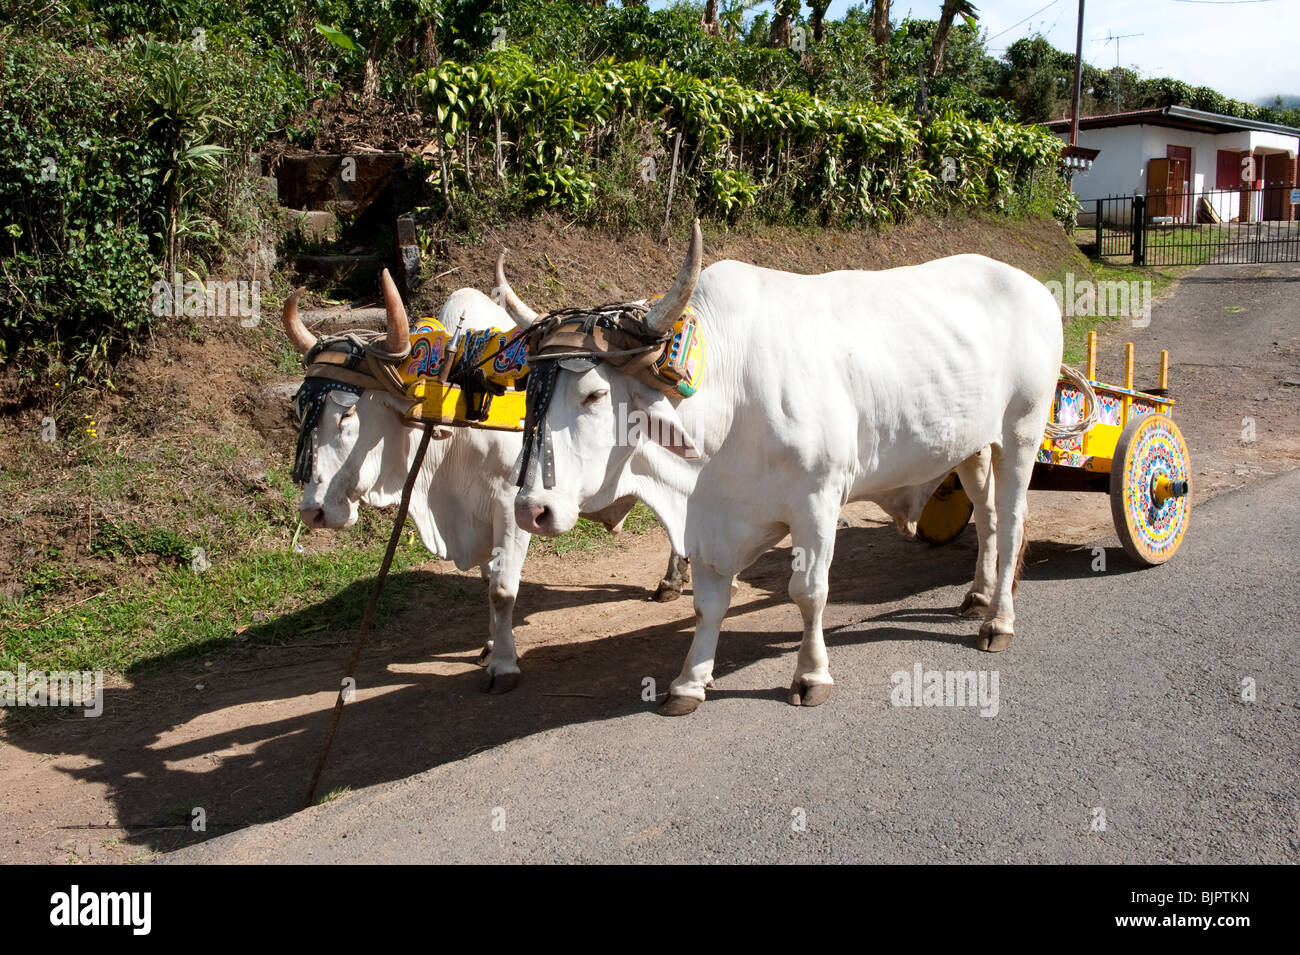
x=533, y=518
x=313, y=517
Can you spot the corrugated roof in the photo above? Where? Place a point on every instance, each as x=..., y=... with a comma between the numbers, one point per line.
x=1181, y=117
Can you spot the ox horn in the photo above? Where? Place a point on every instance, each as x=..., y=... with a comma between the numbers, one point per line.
x=665, y=312
x=399, y=329
x=523, y=315
x=302, y=339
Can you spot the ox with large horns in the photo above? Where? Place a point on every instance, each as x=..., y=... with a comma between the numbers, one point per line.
x=820, y=390
x=362, y=446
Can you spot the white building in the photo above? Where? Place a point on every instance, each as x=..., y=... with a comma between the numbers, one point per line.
x=1188, y=162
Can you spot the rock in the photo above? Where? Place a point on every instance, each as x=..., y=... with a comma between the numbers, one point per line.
x=317, y=225
x=272, y=408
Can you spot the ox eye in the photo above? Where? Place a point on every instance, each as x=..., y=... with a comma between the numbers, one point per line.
x=595, y=397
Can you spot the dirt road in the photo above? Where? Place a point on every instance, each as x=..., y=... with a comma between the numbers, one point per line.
x=124, y=785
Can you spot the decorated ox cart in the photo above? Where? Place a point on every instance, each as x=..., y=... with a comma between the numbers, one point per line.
x=1131, y=450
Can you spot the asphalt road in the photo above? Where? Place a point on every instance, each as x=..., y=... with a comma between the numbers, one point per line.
x=1121, y=735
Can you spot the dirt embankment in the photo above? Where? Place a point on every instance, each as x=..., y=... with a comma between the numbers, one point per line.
x=552, y=264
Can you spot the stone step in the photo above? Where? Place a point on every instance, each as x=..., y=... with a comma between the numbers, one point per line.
x=315, y=225
x=358, y=269
x=345, y=183
x=330, y=321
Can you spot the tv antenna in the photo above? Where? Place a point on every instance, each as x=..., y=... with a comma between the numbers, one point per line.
x=1109, y=37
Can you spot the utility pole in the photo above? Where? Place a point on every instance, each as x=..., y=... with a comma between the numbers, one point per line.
x=1078, y=81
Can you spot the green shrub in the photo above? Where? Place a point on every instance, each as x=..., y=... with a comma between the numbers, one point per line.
x=782, y=150
x=120, y=162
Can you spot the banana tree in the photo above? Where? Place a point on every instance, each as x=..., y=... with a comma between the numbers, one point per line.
x=951, y=10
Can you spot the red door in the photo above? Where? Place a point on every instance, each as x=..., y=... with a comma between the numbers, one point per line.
x=1273, y=169
x=1228, y=175
x=1182, y=201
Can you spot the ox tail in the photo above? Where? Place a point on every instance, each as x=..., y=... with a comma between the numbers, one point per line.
x=1022, y=556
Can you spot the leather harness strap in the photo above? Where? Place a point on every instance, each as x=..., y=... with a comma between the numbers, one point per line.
x=351, y=362
x=615, y=332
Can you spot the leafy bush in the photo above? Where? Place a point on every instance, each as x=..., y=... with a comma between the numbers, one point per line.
x=740, y=148
x=119, y=165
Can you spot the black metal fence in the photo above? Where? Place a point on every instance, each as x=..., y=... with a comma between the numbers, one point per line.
x=1221, y=226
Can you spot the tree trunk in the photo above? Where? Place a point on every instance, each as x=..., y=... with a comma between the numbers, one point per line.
x=819, y=19
x=429, y=46
x=880, y=32
x=934, y=64
x=779, y=35
x=710, y=21
x=370, y=84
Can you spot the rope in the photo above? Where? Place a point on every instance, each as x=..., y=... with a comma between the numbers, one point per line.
x=365, y=340
x=556, y=356
x=626, y=317
x=1068, y=432
x=371, y=605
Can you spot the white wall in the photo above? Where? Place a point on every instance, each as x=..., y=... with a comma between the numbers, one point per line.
x=1121, y=167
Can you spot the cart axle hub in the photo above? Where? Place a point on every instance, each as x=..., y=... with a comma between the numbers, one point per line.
x=1162, y=489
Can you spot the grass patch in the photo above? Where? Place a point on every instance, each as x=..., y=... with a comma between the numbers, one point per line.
x=337, y=793
x=270, y=597
x=1185, y=246
x=180, y=606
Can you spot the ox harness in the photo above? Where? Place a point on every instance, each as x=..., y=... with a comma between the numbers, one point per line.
x=354, y=361
x=616, y=332
x=351, y=362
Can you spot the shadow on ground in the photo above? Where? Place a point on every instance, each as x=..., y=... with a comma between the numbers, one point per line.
x=163, y=747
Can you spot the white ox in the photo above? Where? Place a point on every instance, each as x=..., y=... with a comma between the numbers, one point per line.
x=819, y=390
x=462, y=501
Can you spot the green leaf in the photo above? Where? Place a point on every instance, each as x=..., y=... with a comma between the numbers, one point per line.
x=337, y=37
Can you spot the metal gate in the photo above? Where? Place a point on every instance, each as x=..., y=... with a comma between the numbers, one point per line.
x=1221, y=226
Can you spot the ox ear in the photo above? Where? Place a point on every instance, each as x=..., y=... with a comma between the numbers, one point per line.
x=665, y=427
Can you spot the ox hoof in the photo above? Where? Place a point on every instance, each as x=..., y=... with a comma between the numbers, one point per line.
x=497, y=683
x=484, y=657
x=994, y=637
x=678, y=705
x=666, y=592
x=809, y=694
x=973, y=605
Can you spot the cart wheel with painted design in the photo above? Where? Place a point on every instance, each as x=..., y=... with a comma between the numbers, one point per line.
x=1149, y=485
